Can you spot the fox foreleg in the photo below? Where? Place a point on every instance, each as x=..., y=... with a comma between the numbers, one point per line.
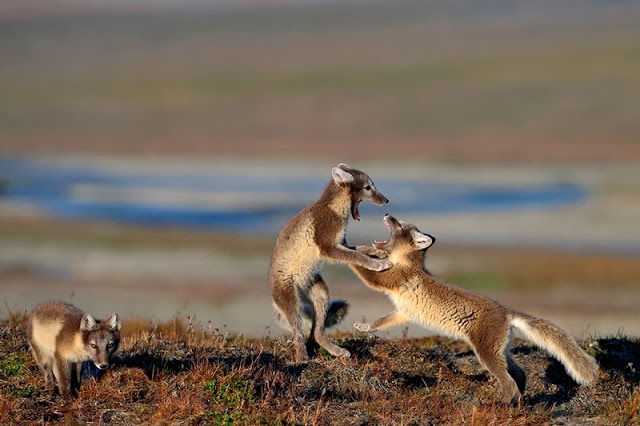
x=372, y=251
x=340, y=253
x=392, y=319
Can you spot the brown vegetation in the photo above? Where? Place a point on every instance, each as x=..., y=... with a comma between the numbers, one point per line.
x=186, y=373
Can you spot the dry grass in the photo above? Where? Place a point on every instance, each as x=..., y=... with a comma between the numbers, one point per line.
x=184, y=373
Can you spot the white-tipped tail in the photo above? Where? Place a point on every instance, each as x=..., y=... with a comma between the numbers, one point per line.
x=553, y=339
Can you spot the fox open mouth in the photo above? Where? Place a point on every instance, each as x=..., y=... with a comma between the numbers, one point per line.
x=378, y=243
x=354, y=210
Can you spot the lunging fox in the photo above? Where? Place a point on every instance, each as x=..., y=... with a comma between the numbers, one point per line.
x=317, y=233
x=422, y=298
x=61, y=337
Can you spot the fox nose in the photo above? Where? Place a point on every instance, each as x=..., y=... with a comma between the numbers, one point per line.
x=386, y=201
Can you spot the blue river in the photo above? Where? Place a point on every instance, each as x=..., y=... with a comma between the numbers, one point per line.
x=240, y=202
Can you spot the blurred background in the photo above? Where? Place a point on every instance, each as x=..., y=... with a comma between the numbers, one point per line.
x=150, y=151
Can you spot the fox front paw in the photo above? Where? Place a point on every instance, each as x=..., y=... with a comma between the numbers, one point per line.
x=372, y=251
x=364, y=327
x=382, y=265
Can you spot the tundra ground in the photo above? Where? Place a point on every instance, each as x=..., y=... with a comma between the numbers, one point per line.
x=187, y=373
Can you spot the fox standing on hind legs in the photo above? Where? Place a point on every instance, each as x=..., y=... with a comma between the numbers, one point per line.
x=485, y=324
x=317, y=233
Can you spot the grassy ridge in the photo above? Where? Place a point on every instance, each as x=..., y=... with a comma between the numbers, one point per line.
x=185, y=373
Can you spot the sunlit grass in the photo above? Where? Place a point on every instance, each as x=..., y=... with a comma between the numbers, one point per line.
x=172, y=373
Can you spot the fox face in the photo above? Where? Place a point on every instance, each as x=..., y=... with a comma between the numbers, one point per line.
x=100, y=339
x=361, y=187
x=404, y=239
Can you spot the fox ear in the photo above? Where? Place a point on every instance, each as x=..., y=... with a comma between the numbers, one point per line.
x=88, y=322
x=421, y=241
x=341, y=176
x=114, y=322
x=344, y=167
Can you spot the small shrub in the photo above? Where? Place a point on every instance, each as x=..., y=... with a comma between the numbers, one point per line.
x=232, y=396
x=25, y=392
x=233, y=390
x=323, y=353
x=13, y=366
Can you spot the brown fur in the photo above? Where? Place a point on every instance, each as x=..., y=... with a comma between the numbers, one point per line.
x=317, y=233
x=61, y=337
x=424, y=299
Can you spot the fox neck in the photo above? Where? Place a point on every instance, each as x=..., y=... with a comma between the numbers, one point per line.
x=411, y=263
x=338, y=198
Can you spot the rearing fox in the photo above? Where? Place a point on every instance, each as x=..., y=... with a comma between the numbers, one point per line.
x=485, y=324
x=317, y=233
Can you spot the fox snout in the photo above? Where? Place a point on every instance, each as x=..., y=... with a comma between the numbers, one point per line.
x=101, y=359
x=379, y=199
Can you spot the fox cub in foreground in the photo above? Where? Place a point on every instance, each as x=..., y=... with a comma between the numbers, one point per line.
x=317, y=233
x=485, y=324
x=61, y=337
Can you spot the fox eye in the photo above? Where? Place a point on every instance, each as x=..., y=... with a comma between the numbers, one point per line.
x=110, y=345
x=94, y=346
x=367, y=188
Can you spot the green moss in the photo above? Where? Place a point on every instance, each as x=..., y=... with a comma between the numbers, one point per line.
x=21, y=392
x=324, y=353
x=233, y=390
x=13, y=366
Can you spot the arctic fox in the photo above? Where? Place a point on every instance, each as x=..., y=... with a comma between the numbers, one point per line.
x=317, y=233
x=61, y=337
x=485, y=324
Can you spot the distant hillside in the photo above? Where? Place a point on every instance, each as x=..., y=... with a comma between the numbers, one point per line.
x=440, y=80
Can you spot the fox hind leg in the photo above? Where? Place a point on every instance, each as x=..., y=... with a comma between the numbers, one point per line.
x=289, y=311
x=45, y=364
x=492, y=354
x=514, y=369
x=49, y=381
x=62, y=371
x=319, y=297
x=516, y=372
